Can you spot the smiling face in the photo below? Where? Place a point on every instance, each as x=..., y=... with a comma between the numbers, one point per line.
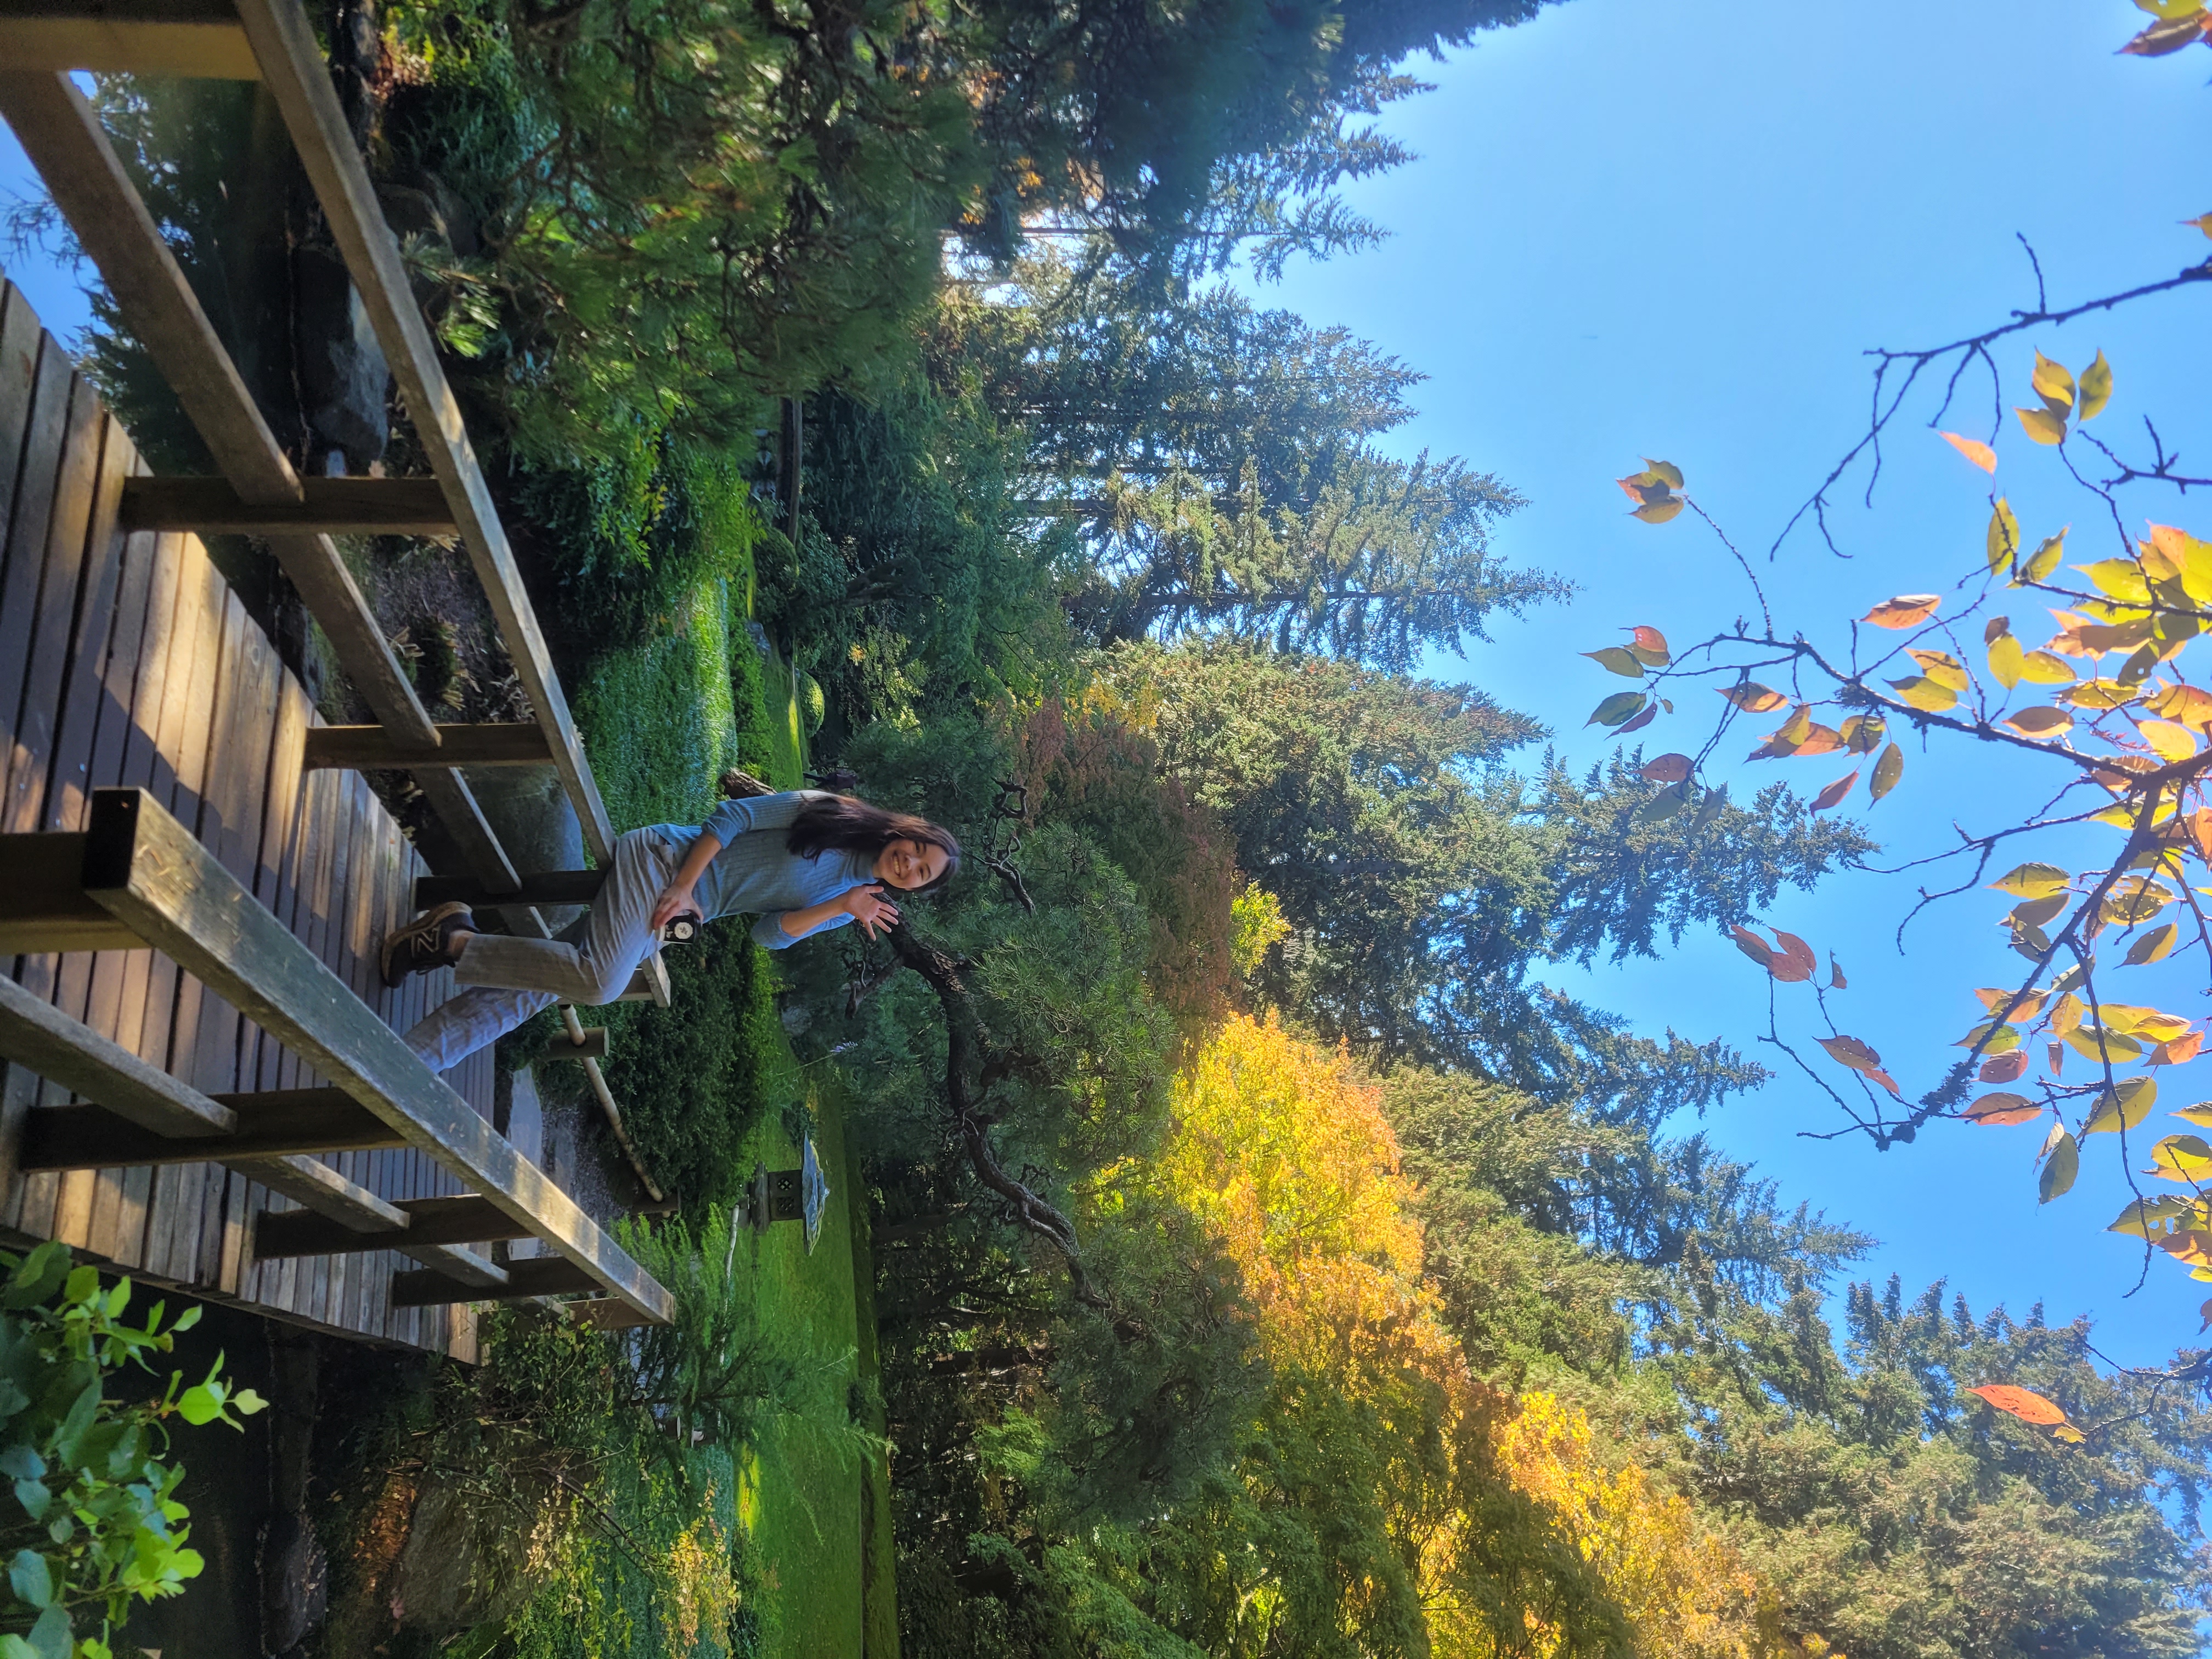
x=910, y=864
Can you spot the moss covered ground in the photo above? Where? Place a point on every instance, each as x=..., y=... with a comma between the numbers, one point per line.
x=710, y=1087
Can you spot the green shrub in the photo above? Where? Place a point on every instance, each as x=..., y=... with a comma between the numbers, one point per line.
x=93, y=1522
x=632, y=534
x=693, y=1078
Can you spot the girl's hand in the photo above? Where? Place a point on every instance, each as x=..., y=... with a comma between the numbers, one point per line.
x=673, y=903
x=868, y=906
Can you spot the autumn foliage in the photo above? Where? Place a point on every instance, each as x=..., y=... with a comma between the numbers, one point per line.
x=1508, y=1527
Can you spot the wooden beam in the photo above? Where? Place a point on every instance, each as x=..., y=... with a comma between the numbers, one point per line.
x=464, y=1220
x=293, y=69
x=539, y=887
x=40, y=1037
x=145, y=869
x=331, y=1200
x=356, y=1218
x=603, y=1313
x=331, y=507
x=541, y=1276
x=284, y=1123
x=364, y=748
x=42, y=903
x=477, y=1277
x=66, y=141
x=192, y=40
x=593, y=1047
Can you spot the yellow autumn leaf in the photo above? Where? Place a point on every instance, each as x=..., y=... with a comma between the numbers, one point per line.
x=2123, y=1108
x=2096, y=388
x=1922, y=693
x=1941, y=667
x=2122, y=579
x=2042, y=425
x=2172, y=741
x=2102, y=1043
x=2054, y=384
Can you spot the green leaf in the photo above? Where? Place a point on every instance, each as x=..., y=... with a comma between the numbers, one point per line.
x=2059, y=1173
x=28, y=1577
x=246, y=1402
x=51, y=1638
x=201, y=1405
x=82, y=1413
x=118, y=1299
x=83, y=1284
x=15, y=1647
x=36, y=1276
x=22, y=1462
x=1619, y=706
x=1617, y=659
x=185, y=1321
x=35, y=1497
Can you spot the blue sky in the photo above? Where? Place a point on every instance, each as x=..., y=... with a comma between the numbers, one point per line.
x=1671, y=231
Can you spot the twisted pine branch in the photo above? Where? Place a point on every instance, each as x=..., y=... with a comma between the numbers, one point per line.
x=1032, y=1213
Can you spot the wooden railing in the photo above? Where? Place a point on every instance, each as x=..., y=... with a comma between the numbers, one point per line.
x=260, y=491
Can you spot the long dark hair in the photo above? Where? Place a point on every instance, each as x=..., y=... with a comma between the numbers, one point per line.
x=846, y=823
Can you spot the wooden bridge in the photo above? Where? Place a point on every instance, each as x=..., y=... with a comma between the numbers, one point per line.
x=205, y=1084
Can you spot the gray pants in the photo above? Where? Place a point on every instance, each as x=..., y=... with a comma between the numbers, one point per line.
x=509, y=980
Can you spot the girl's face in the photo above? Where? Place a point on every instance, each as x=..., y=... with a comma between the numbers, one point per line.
x=910, y=864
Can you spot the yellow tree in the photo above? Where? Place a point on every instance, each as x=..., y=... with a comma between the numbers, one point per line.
x=1505, y=1530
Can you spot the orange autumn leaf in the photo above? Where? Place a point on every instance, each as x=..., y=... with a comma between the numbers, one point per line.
x=2003, y=1108
x=1905, y=610
x=2024, y=1403
x=1795, y=962
x=1973, y=449
x=1834, y=792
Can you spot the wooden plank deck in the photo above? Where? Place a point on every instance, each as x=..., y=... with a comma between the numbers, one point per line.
x=124, y=658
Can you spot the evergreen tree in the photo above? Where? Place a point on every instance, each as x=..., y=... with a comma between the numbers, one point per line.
x=1425, y=883
x=1215, y=459
x=1111, y=377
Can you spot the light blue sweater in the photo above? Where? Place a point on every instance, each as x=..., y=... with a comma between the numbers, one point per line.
x=754, y=873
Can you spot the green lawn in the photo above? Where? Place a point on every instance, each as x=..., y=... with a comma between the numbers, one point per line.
x=660, y=722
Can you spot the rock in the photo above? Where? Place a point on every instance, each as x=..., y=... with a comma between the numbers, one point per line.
x=412, y=212
x=529, y=811
x=344, y=382
x=468, y=1561
x=296, y=1587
